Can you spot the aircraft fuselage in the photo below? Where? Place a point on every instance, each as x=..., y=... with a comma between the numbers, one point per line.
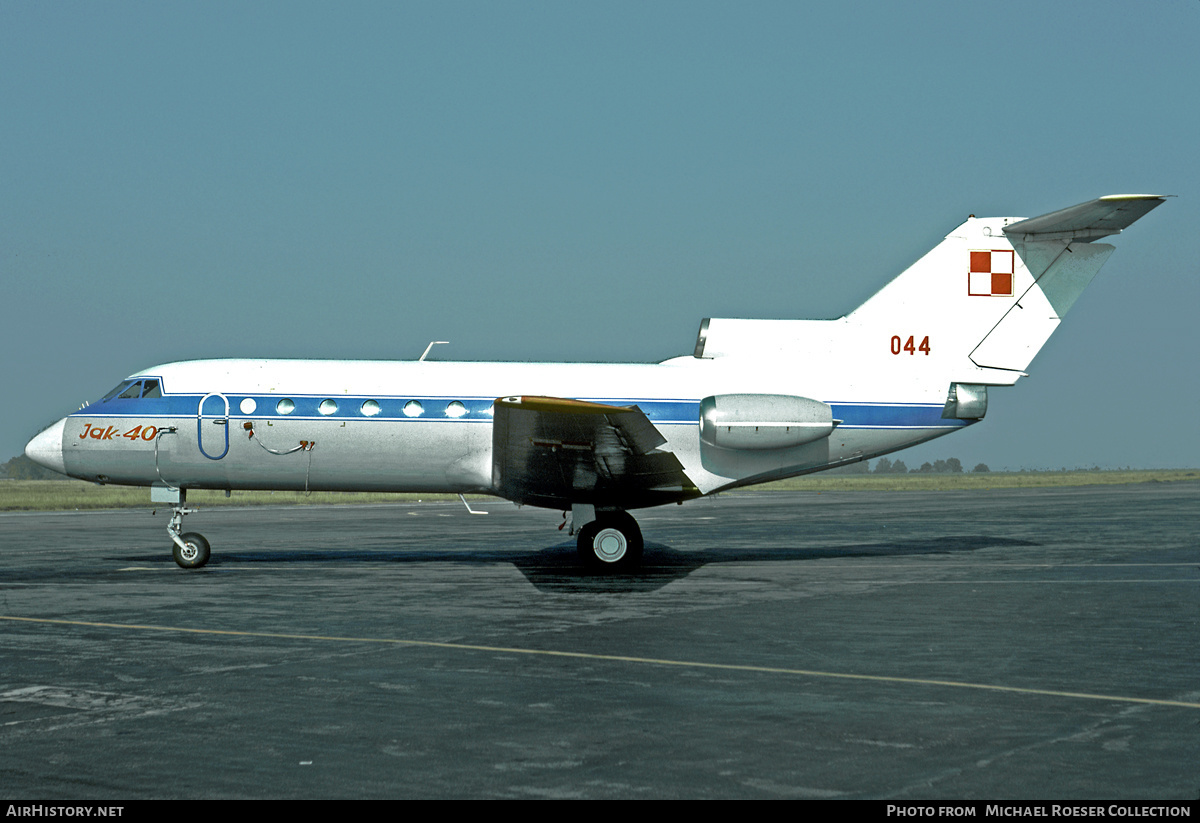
x=427, y=426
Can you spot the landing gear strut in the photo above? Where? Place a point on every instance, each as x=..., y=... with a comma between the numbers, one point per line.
x=611, y=542
x=190, y=550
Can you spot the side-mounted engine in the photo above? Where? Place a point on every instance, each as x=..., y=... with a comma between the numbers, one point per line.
x=763, y=421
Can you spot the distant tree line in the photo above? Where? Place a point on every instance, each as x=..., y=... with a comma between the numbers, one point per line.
x=949, y=466
x=22, y=468
x=886, y=466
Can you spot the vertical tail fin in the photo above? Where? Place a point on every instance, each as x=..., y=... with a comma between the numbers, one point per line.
x=996, y=288
x=973, y=311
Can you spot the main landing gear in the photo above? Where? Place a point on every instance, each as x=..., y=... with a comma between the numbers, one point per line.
x=611, y=542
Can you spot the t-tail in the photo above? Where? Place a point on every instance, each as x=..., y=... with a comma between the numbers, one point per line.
x=997, y=288
x=971, y=313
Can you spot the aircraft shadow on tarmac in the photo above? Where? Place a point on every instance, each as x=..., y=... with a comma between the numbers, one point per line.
x=558, y=569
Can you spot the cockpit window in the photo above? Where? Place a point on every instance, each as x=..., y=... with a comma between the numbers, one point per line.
x=124, y=384
x=132, y=389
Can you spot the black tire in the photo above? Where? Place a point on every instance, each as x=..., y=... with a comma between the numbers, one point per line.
x=196, y=554
x=612, y=542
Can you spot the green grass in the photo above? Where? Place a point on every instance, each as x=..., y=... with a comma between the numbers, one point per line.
x=982, y=480
x=66, y=495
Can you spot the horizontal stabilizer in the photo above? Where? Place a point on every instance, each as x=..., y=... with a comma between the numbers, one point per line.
x=1087, y=221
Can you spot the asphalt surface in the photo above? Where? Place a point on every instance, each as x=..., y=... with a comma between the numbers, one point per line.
x=1029, y=644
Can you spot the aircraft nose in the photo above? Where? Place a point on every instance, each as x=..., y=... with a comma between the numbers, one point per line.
x=47, y=448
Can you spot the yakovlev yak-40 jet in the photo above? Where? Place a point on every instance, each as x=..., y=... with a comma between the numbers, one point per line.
x=757, y=400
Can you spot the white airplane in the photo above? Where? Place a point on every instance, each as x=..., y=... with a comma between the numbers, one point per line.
x=757, y=400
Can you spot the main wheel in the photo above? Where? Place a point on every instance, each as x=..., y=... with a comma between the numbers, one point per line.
x=194, y=553
x=611, y=542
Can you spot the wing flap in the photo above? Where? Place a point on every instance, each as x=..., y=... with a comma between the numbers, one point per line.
x=553, y=451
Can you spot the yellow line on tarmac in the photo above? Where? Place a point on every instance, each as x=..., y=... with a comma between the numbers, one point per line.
x=618, y=658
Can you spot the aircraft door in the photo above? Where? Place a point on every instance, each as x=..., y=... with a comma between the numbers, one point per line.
x=212, y=425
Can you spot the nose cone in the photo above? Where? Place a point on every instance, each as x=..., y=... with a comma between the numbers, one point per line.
x=47, y=448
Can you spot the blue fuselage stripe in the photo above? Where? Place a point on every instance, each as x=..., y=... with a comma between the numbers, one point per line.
x=477, y=410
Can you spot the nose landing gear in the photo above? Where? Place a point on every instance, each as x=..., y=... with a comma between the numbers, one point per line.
x=190, y=550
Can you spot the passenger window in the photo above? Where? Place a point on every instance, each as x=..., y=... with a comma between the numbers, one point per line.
x=285, y=406
x=369, y=408
x=455, y=409
x=413, y=408
x=327, y=407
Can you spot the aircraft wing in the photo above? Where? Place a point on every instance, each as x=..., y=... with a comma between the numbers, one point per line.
x=552, y=452
x=1087, y=221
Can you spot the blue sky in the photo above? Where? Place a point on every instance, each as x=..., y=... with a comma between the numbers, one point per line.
x=568, y=181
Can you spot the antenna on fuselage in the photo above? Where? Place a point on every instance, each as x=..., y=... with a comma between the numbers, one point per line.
x=430, y=346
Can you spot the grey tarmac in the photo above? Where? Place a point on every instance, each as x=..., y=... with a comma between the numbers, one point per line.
x=1023, y=644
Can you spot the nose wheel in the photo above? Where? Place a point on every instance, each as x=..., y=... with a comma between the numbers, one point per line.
x=192, y=551
x=612, y=542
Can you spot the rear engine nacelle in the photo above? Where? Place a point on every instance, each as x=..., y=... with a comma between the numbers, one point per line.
x=763, y=421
